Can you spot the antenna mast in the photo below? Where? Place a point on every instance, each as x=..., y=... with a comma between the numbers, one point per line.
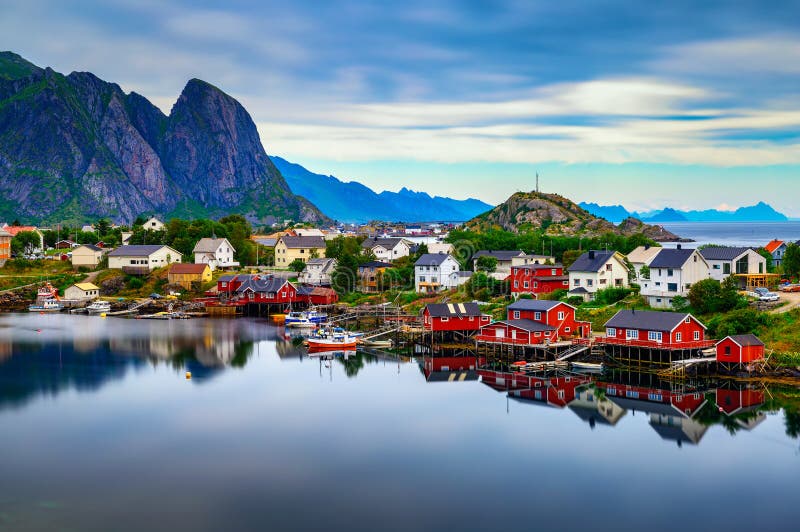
x=537, y=182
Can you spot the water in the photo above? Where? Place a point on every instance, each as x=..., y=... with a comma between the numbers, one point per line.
x=101, y=431
x=755, y=234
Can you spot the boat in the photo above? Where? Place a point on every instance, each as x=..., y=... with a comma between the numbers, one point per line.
x=46, y=305
x=306, y=318
x=333, y=343
x=376, y=343
x=99, y=307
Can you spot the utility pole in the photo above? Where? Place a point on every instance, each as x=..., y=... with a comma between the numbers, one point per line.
x=537, y=182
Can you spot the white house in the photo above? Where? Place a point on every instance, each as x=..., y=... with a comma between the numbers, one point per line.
x=642, y=256
x=309, y=232
x=87, y=255
x=672, y=273
x=126, y=237
x=776, y=248
x=137, y=259
x=726, y=261
x=596, y=270
x=508, y=259
x=441, y=247
x=318, y=272
x=153, y=224
x=216, y=252
x=388, y=249
x=432, y=272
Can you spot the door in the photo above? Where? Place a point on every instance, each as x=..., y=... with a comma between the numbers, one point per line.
x=500, y=333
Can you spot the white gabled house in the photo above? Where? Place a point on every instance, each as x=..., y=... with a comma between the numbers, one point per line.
x=596, y=270
x=216, y=252
x=153, y=224
x=672, y=273
x=141, y=259
x=388, y=249
x=433, y=272
x=318, y=272
x=641, y=257
x=726, y=261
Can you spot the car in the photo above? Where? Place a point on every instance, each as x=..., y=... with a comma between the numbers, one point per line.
x=155, y=296
x=765, y=295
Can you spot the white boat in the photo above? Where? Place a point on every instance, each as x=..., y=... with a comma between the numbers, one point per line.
x=335, y=343
x=99, y=307
x=308, y=318
x=46, y=305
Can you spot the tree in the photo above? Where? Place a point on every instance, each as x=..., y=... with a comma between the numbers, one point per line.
x=644, y=272
x=25, y=242
x=486, y=264
x=768, y=257
x=680, y=303
x=102, y=227
x=297, y=265
x=791, y=260
x=704, y=295
x=570, y=256
x=345, y=276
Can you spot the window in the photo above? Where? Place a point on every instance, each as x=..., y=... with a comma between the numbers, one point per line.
x=632, y=334
x=526, y=284
x=697, y=335
x=537, y=334
x=632, y=394
x=516, y=284
x=654, y=336
x=655, y=397
x=602, y=281
x=726, y=268
x=678, y=337
x=567, y=329
x=553, y=271
x=611, y=391
x=608, y=267
x=516, y=314
x=611, y=332
x=588, y=282
x=561, y=315
x=535, y=284
x=687, y=320
x=445, y=319
x=577, y=282
x=537, y=316
x=670, y=272
x=715, y=267
x=618, y=282
x=727, y=350
x=672, y=287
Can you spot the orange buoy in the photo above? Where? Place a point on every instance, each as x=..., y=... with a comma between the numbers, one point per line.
x=188, y=375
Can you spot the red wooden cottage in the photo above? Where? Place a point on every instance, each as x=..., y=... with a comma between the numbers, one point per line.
x=254, y=288
x=517, y=332
x=740, y=349
x=538, y=279
x=657, y=330
x=453, y=317
x=557, y=314
x=317, y=295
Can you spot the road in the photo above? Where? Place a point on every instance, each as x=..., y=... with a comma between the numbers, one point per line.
x=794, y=302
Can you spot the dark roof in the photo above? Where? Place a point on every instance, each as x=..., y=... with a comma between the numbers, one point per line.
x=648, y=320
x=591, y=261
x=447, y=376
x=431, y=259
x=387, y=243
x=533, y=304
x=721, y=253
x=671, y=258
x=537, y=266
x=453, y=310
x=298, y=242
x=90, y=246
x=746, y=340
x=499, y=255
x=675, y=433
x=180, y=267
x=579, y=290
x=643, y=405
x=374, y=264
x=256, y=282
x=527, y=325
x=136, y=250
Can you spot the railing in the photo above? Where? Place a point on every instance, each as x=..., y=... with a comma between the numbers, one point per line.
x=694, y=344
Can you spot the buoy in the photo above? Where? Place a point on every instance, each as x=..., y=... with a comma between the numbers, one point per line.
x=720, y=409
x=38, y=330
x=188, y=375
x=102, y=314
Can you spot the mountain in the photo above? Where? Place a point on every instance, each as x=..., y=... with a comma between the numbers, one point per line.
x=761, y=212
x=353, y=202
x=76, y=148
x=558, y=216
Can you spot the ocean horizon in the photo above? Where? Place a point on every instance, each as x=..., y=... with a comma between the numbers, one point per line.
x=733, y=233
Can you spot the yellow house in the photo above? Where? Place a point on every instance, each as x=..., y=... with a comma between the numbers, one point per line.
x=82, y=292
x=189, y=275
x=87, y=255
x=290, y=248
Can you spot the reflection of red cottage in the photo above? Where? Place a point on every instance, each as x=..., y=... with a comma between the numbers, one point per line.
x=740, y=349
x=452, y=369
x=538, y=279
x=557, y=392
x=453, y=317
x=735, y=401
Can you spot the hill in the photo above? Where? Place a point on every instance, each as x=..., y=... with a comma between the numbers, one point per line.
x=354, y=202
x=76, y=148
x=558, y=216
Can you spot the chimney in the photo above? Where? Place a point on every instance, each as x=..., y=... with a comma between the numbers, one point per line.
x=591, y=254
x=647, y=246
x=679, y=246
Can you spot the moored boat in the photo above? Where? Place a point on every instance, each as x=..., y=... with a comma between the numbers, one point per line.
x=332, y=342
x=99, y=307
x=307, y=318
x=46, y=305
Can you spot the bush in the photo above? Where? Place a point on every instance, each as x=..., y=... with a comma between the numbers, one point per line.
x=610, y=295
x=574, y=301
x=134, y=283
x=709, y=296
x=739, y=321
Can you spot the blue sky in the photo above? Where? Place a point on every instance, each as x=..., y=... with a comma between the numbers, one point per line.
x=688, y=104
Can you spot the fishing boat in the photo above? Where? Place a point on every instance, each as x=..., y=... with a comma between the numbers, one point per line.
x=99, y=307
x=46, y=305
x=306, y=318
x=332, y=343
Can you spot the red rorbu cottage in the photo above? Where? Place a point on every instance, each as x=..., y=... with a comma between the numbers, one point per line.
x=735, y=399
x=740, y=349
x=453, y=317
x=254, y=288
x=656, y=330
x=533, y=322
x=538, y=279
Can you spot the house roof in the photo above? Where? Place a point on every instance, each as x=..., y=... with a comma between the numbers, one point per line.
x=671, y=258
x=267, y=241
x=538, y=266
x=453, y=310
x=255, y=282
x=320, y=261
x=579, y=290
x=745, y=340
x=297, y=242
x=188, y=267
x=209, y=245
x=542, y=305
x=5, y=233
x=591, y=261
x=498, y=254
x=374, y=264
x=14, y=230
x=90, y=246
x=137, y=250
x=773, y=245
x=527, y=325
x=722, y=253
x=643, y=254
x=432, y=259
x=649, y=320
x=87, y=286
x=386, y=243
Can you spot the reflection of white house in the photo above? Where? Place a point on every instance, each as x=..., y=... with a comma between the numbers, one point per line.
x=726, y=261
x=317, y=272
x=593, y=409
x=216, y=252
x=672, y=273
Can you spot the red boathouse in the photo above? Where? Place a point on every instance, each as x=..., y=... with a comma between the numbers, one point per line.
x=740, y=349
x=462, y=317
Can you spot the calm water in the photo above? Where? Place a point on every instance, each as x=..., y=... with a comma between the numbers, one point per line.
x=101, y=431
x=735, y=233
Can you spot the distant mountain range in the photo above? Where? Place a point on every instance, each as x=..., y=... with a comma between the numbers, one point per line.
x=355, y=203
x=760, y=212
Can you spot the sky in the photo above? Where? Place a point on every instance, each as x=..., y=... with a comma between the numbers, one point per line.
x=645, y=104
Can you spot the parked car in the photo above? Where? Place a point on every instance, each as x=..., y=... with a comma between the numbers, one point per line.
x=155, y=296
x=765, y=295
